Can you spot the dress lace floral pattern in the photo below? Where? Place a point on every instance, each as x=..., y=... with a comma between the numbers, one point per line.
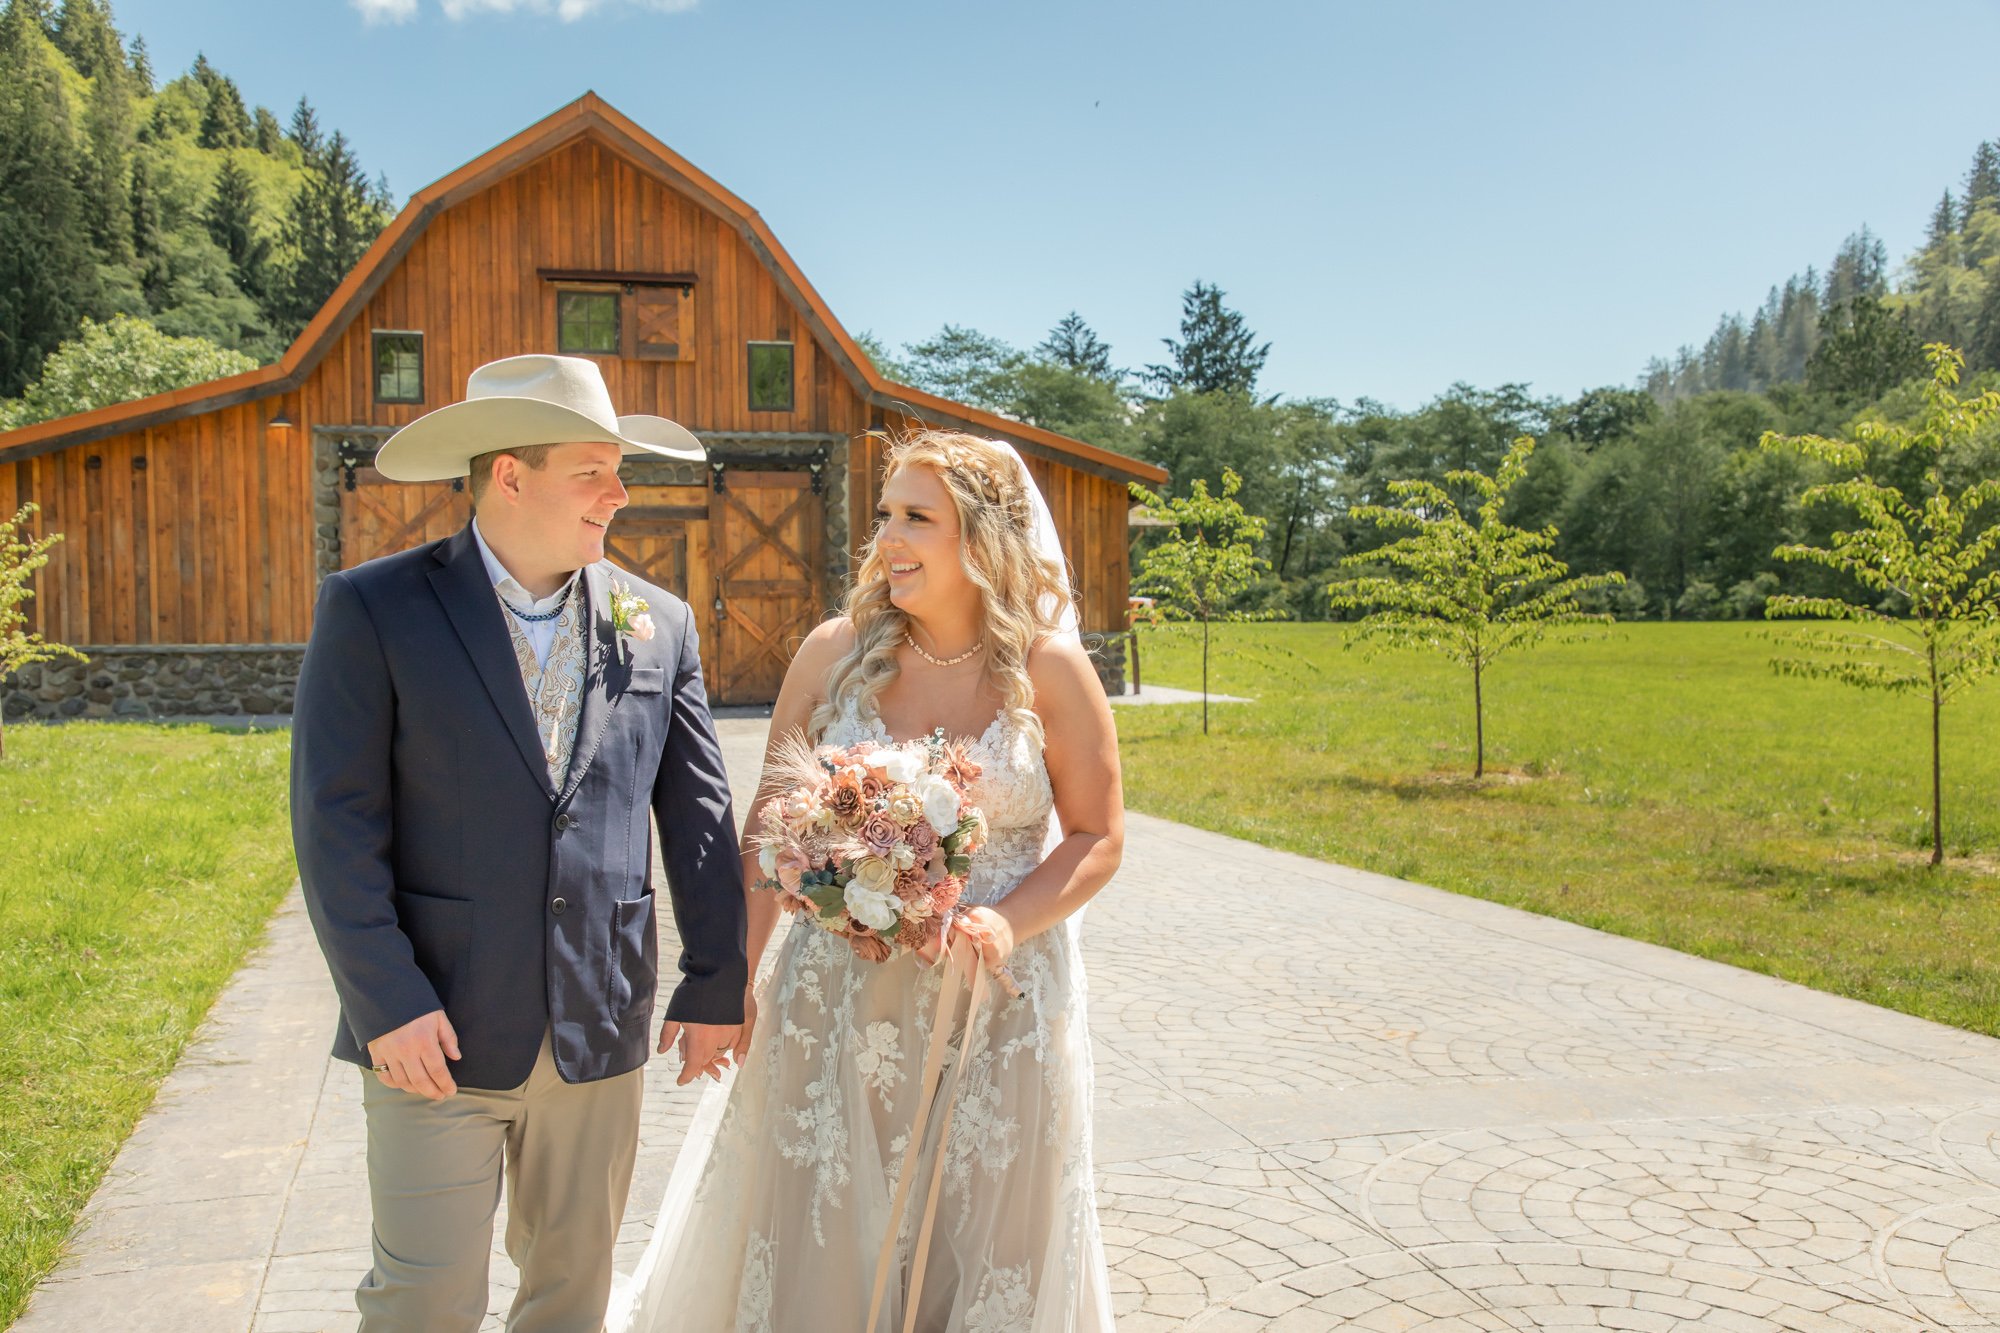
x=777, y=1226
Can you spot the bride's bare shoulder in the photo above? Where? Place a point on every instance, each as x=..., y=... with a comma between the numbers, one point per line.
x=829, y=641
x=1061, y=671
x=833, y=635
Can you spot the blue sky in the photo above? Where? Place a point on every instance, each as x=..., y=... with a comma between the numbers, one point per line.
x=1397, y=196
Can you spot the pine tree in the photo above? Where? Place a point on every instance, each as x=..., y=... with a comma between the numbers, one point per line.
x=1217, y=352
x=1983, y=353
x=1944, y=225
x=47, y=269
x=225, y=124
x=332, y=222
x=1074, y=345
x=147, y=251
x=305, y=130
x=1982, y=181
x=142, y=67
x=1860, y=268
x=39, y=13
x=1798, y=326
x=267, y=135
x=231, y=216
x=83, y=33
x=107, y=127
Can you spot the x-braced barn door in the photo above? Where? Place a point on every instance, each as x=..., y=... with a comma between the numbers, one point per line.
x=765, y=531
x=382, y=517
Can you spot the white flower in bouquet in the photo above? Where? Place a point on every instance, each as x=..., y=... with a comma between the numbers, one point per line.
x=940, y=802
x=767, y=860
x=901, y=856
x=877, y=911
x=896, y=765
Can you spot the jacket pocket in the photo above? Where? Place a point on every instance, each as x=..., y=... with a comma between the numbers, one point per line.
x=646, y=680
x=440, y=935
x=634, y=966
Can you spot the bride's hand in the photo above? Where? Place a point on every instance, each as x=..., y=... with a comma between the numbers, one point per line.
x=990, y=934
x=742, y=1046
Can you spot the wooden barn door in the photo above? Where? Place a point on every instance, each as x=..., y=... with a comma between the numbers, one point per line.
x=768, y=551
x=662, y=536
x=382, y=517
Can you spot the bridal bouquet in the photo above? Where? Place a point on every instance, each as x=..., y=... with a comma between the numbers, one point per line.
x=872, y=841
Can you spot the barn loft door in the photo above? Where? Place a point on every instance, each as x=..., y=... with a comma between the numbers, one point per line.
x=768, y=554
x=381, y=517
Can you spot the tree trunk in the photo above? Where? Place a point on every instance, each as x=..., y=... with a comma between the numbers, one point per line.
x=1204, y=675
x=3, y=740
x=1937, y=782
x=1478, y=726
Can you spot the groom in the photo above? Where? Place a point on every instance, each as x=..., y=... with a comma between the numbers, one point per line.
x=483, y=726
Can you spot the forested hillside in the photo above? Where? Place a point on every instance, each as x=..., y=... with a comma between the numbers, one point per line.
x=1871, y=322
x=174, y=205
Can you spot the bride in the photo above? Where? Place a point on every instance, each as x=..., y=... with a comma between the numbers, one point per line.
x=782, y=1197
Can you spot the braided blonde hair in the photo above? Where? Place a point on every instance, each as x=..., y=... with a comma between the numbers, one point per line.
x=997, y=549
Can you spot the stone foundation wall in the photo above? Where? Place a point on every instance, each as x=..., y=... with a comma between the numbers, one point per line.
x=1107, y=654
x=199, y=680
x=161, y=680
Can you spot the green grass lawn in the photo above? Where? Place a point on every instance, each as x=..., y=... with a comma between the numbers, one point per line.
x=1657, y=781
x=138, y=864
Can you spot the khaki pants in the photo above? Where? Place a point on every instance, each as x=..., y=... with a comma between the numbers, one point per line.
x=434, y=1177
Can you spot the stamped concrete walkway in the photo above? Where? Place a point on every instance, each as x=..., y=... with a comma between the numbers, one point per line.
x=1326, y=1099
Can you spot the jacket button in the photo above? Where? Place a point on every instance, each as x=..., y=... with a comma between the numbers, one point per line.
x=563, y=821
x=558, y=906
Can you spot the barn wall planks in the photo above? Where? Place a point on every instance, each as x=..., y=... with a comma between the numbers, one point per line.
x=196, y=531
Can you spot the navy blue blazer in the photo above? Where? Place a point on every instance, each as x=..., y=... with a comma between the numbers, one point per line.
x=441, y=868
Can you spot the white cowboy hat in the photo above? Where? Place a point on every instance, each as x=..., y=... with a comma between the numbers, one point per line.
x=520, y=401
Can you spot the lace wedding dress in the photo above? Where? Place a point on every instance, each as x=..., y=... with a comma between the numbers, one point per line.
x=775, y=1213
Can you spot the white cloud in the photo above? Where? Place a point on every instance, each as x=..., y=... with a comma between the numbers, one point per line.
x=386, y=11
x=567, y=10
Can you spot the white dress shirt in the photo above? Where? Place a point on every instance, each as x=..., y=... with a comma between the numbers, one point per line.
x=541, y=634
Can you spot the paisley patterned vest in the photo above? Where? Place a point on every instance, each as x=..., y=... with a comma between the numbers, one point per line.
x=555, y=690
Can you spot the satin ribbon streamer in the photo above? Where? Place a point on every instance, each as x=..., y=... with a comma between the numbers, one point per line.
x=947, y=1005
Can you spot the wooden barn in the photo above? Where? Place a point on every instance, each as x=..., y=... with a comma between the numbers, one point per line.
x=198, y=523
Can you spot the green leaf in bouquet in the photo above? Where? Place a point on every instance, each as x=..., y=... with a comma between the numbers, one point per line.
x=830, y=899
x=958, y=865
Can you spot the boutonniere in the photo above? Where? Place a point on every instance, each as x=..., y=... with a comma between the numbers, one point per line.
x=628, y=613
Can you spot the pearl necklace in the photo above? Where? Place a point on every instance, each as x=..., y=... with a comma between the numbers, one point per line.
x=941, y=661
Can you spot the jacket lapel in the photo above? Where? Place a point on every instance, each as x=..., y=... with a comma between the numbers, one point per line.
x=605, y=675
x=461, y=583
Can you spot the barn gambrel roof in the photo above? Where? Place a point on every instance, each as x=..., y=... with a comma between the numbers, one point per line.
x=589, y=116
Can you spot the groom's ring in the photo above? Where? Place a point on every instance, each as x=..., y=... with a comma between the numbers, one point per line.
x=380, y=1069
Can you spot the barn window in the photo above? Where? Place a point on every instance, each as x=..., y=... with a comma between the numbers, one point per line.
x=770, y=377
x=587, y=322
x=399, y=367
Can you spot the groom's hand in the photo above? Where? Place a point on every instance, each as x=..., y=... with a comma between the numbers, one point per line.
x=411, y=1058
x=704, y=1047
